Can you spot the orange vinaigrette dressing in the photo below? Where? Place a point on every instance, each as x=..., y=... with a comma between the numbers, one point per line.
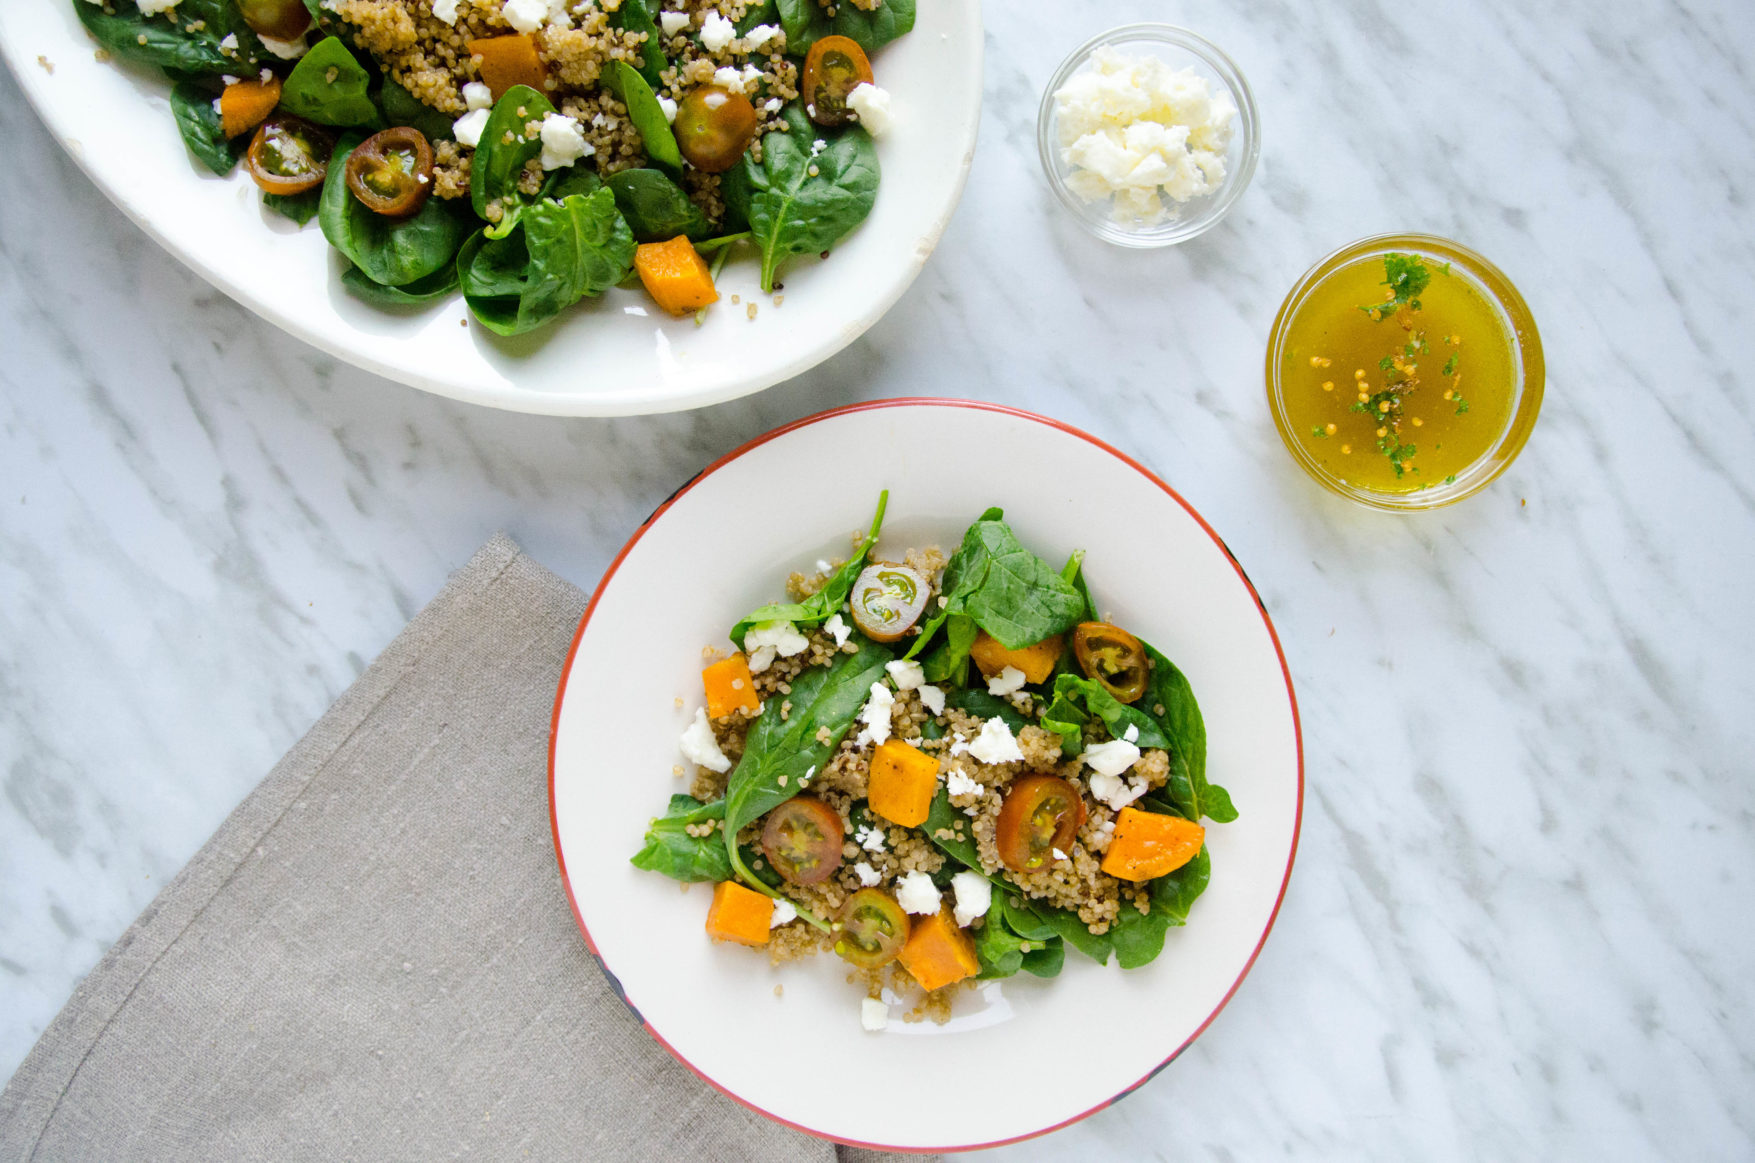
x=1404, y=396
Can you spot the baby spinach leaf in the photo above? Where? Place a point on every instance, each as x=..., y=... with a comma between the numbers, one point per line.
x=437, y=285
x=390, y=251
x=775, y=748
x=949, y=660
x=185, y=39
x=1066, y=925
x=507, y=143
x=820, y=606
x=328, y=86
x=403, y=108
x=671, y=850
x=565, y=251
x=1066, y=718
x=198, y=122
x=1185, y=734
x=1074, y=574
x=767, y=12
x=1000, y=941
x=806, y=21
x=799, y=203
x=656, y=207
x=301, y=208
x=646, y=114
x=640, y=16
x=1007, y=591
x=1139, y=937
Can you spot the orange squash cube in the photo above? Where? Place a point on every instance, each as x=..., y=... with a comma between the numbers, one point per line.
x=243, y=105
x=504, y=61
x=903, y=780
x=938, y=953
x=675, y=275
x=1147, y=845
x=730, y=687
x=739, y=914
x=1035, y=660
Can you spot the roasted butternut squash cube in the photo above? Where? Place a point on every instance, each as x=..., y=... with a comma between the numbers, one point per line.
x=938, y=953
x=730, y=687
x=675, y=275
x=903, y=780
x=1035, y=660
x=1147, y=845
x=739, y=914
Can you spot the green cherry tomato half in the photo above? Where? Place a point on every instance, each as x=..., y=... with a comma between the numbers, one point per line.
x=873, y=929
x=1112, y=658
x=276, y=19
x=888, y=599
x=288, y=156
x=1040, y=813
x=392, y=172
x=713, y=127
x=835, y=66
x=802, y=840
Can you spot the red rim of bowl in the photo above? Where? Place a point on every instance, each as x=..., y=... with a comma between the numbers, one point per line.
x=915, y=402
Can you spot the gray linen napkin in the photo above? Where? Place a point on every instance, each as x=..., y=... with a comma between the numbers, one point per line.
x=373, y=958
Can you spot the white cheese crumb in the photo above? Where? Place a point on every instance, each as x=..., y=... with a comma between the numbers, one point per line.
x=669, y=108
x=227, y=80
x=265, y=76
x=818, y=146
x=974, y=895
x=445, y=10
x=772, y=105
x=717, y=32
x=525, y=15
x=1115, y=791
x=876, y=715
x=1132, y=734
x=906, y=674
x=958, y=783
x=872, y=105
x=838, y=628
x=1058, y=854
x=699, y=746
x=477, y=96
x=227, y=44
x=917, y=894
x=673, y=22
x=870, y=837
x=874, y=1014
x=563, y=141
x=1111, y=758
x=729, y=79
x=1006, y=682
x=766, y=639
x=785, y=912
x=760, y=35
x=216, y=107
x=933, y=698
x=286, y=50
x=867, y=875
x=467, y=128
x=752, y=77
x=959, y=745
x=996, y=743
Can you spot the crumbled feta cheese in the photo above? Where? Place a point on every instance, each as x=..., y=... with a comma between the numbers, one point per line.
x=265, y=76
x=785, y=912
x=906, y=674
x=227, y=44
x=872, y=105
x=818, y=146
x=445, y=10
x=974, y=895
x=867, y=875
x=772, y=105
x=959, y=745
x=525, y=15
x=216, y=108
x=227, y=80
x=1111, y=758
x=752, y=77
x=673, y=22
x=760, y=35
x=563, y=141
x=699, y=745
x=729, y=79
x=477, y=96
x=996, y=743
x=1115, y=791
x=1058, y=854
x=467, y=128
x=838, y=628
x=957, y=783
x=717, y=32
x=286, y=50
x=764, y=640
x=154, y=7
x=933, y=698
x=668, y=107
x=874, y=1014
x=1132, y=734
x=876, y=715
x=1006, y=682
x=917, y=894
x=869, y=837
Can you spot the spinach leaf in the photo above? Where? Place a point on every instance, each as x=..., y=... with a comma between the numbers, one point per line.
x=644, y=111
x=1066, y=925
x=1073, y=572
x=565, y=251
x=786, y=749
x=198, y=122
x=671, y=850
x=976, y=701
x=806, y=21
x=437, y=285
x=403, y=108
x=506, y=145
x=941, y=824
x=640, y=16
x=797, y=203
x=1185, y=734
x=390, y=251
x=1139, y=937
x=656, y=207
x=185, y=39
x=328, y=86
x=949, y=660
x=301, y=208
x=820, y=606
x=1066, y=718
x=999, y=943
x=767, y=12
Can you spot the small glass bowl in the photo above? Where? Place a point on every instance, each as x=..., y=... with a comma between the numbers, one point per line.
x=1526, y=360
x=1181, y=49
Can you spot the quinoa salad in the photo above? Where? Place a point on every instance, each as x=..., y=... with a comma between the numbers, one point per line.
x=532, y=154
x=942, y=771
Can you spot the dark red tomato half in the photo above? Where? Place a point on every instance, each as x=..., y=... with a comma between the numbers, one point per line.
x=835, y=66
x=1040, y=813
x=288, y=156
x=873, y=929
x=392, y=172
x=1112, y=658
x=802, y=840
x=713, y=127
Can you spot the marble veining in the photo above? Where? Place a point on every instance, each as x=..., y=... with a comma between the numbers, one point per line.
x=1519, y=922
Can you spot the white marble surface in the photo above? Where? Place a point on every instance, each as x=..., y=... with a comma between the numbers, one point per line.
x=1520, y=921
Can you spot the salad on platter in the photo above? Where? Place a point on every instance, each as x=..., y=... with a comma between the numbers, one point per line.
x=943, y=771
x=531, y=154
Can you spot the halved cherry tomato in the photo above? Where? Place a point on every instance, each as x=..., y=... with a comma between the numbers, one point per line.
x=713, y=127
x=1040, y=813
x=873, y=929
x=392, y=171
x=835, y=66
x=1113, y=659
x=802, y=839
x=888, y=599
x=288, y=155
x=278, y=19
